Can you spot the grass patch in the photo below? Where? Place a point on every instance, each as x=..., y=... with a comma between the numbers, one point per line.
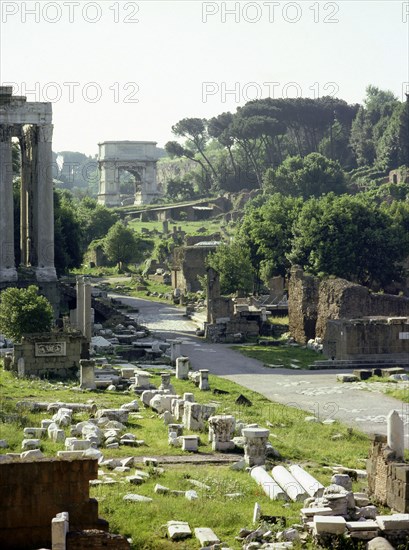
x=310, y=444
x=401, y=394
x=286, y=356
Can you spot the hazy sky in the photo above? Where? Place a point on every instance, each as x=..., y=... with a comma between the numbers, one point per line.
x=118, y=70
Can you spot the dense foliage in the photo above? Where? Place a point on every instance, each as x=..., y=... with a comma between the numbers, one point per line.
x=23, y=311
x=232, y=151
x=121, y=245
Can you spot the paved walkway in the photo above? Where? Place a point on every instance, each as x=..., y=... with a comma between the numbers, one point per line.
x=314, y=391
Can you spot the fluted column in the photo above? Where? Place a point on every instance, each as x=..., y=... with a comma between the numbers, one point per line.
x=8, y=271
x=44, y=223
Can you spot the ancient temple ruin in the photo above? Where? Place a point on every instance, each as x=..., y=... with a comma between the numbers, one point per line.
x=31, y=124
x=139, y=159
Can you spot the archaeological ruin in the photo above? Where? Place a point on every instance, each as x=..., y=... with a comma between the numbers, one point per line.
x=139, y=159
x=31, y=124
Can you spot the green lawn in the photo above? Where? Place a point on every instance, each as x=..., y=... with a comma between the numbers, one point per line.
x=310, y=444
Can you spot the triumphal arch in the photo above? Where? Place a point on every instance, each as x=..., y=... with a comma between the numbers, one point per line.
x=31, y=124
x=136, y=158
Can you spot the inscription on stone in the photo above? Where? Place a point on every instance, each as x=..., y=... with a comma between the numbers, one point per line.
x=50, y=349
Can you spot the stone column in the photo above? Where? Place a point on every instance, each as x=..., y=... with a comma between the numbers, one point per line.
x=8, y=271
x=87, y=374
x=204, y=380
x=396, y=434
x=59, y=529
x=87, y=310
x=45, y=270
x=80, y=304
x=269, y=486
x=221, y=432
x=182, y=368
x=289, y=484
x=255, y=440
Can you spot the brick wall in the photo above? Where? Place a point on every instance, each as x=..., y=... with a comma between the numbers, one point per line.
x=32, y=493
x=96, y=540
x=388, y=479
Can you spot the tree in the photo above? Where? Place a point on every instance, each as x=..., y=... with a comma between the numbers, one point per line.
x=348, y=237
x=23, y=311
x=313, y=175
x=121, y=245
x=266, y=230
x=233, y=264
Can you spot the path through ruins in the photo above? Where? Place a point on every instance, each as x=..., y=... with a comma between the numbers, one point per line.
x=316, y=392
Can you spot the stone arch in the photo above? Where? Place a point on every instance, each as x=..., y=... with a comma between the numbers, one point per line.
x=138, y=158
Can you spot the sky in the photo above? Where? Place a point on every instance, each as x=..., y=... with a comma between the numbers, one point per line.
x=124, y=70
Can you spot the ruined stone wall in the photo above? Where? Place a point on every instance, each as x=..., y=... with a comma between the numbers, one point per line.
x=189, y=263
x=54, y=354
x=302, y=305
x=32, y=493
x=312, y=302
x=369, y=338
x=96, y=540
x=388, y=479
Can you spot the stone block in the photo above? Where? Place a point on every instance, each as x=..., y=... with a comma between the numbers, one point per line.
x=394, y=522
x=34, y=432
x=178, y=530
x=342, y=480
x=206, y=536
x=334, y=525
x=130, y=497
x=30, y=444
x=369, y=525
x=33, y=454
x=190, y=443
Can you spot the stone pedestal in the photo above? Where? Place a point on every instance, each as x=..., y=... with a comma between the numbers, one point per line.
x=182, y=368
x=87, y=374
x=142, y=380
x=187, y=396
x=190, y=443
x=255, y=440
x=165, y=382
x=204, y=380
x=221, y=432
x=395, y=434
x=175, y=350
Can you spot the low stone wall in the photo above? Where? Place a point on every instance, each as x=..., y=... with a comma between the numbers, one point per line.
x=388, y=479
x=50, y=354
x=369, y=339
x=95, y=540
x=33, y=493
